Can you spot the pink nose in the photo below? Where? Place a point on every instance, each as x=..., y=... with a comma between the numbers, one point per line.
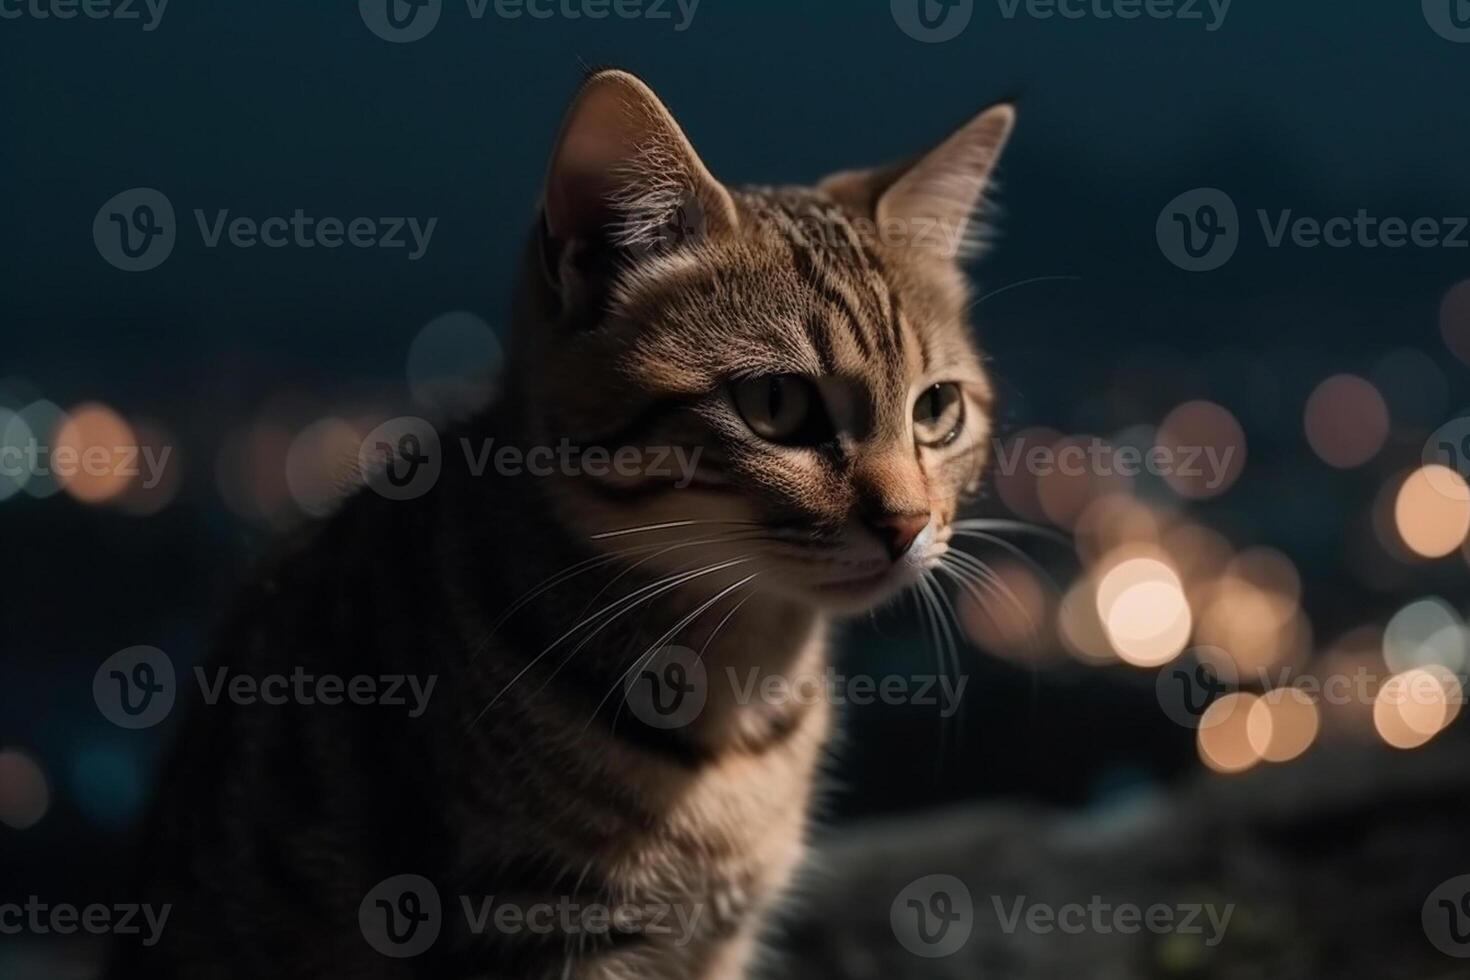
x=898, y=531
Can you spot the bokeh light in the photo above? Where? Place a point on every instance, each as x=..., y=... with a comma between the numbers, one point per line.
x=1425, y=633
x=1207, y=446
x=250, y=472
x=95, y=454
x=1080, y=629
x=1282, y=724
x=42, y=420
x=1454, y=320
x=1430, y=522
x=24, y=794
x=453, y=363
x=1412, y=708
x=1141, y=604
x=107, y=783
x=1083, y=469
x=1015, y=474
x=1224, y=737
x=160, y=471
x=1008, y=618
x=321, y=465
x=15, y=468
x=1346, y=421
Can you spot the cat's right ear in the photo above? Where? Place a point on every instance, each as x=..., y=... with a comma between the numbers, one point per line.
x=624, y=183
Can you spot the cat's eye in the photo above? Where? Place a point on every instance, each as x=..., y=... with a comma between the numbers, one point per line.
x=938, y=415
x=783, y=408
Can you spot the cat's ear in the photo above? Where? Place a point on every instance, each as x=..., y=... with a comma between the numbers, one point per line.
x=624, y=181
x=942, y=189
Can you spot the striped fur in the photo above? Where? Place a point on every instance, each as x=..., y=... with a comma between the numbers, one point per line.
x=531, y=777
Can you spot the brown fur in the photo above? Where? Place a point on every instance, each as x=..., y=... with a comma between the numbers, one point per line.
x=529, y=779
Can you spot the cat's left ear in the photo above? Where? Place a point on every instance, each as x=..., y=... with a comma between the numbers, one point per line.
x=624, y=183
x=942, y=189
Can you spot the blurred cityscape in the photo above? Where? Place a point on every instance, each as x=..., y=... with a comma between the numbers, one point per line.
x=1227, y=520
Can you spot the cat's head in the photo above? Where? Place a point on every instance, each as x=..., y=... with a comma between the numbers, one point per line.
x=788, y=373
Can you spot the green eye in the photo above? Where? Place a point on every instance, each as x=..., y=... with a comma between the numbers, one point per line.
x=939, y=414
x=782, y=408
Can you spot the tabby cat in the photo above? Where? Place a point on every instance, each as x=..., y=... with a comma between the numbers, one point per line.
x=807, y=348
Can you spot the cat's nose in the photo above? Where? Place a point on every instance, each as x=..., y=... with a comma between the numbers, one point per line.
x=898, y=531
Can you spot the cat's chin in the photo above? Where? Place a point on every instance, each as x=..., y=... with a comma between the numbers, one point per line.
x=858, y=594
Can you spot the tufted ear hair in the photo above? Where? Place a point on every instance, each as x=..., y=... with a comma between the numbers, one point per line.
x=624, y=182
x=942, y=189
